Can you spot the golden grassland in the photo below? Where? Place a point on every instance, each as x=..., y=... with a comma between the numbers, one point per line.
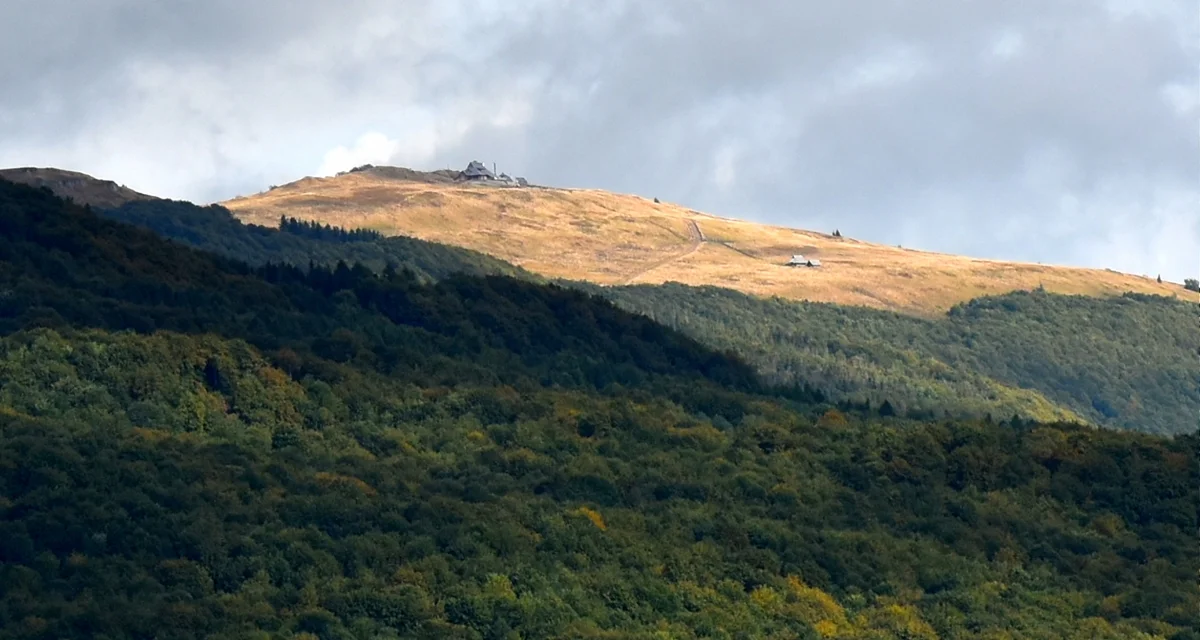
x=611, y=239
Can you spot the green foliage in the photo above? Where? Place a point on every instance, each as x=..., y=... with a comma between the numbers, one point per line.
x=1127, y=362
x=360, y=506
x=194, y=448
x=326, y=232
x=1191, y=284
x=62, y=266
x=213, y=228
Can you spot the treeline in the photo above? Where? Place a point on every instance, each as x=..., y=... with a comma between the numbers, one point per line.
x=214, y=229
x=326, y=232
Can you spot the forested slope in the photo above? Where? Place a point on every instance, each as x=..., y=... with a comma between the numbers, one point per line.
x=149, y=493
x=1128, y=362
x=194, y=448
x=63, y=266
x=214, y=229
x=1131, y=362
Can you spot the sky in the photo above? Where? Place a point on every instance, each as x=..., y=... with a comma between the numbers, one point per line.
x=1063, y=132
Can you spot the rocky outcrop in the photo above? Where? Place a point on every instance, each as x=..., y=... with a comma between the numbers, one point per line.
x=80, y=187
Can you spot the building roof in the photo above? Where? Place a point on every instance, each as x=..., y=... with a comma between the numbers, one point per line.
x=475, y=169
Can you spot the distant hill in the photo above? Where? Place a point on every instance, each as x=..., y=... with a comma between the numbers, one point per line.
x=615, y=239
x=1122, y=362
x=80, y=187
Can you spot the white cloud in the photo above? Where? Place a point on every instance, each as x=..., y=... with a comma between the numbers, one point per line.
x=1008, y=44
x=893, y=66
x=1147, y=233
x=1184, y=98
x=370, y=148
x=725, y=167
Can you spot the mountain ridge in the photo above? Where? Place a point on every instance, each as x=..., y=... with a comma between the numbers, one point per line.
x=619, y=239
x=1127, y=366
x=736, y=254
x=856, y=356
x=80, y=187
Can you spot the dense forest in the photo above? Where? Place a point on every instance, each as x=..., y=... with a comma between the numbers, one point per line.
x=1128, y=362
x=213, y=228
x=1131, y=362
x=146, y=496
x=193, y=447
x=67, y=267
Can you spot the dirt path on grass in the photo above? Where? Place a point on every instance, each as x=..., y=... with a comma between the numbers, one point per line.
x=697, y=239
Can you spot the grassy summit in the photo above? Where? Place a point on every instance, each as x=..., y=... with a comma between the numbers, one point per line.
x=612, y=239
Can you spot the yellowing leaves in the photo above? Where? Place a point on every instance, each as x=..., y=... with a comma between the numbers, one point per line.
x=814, y=605
x=273, y=377
x=335, y=480
x=592, y=515
x=901, y=621
x=499, y=587
x=832, y=418
x=704, y=436
x=826, y=628
x=830, y=620
x=767, y=598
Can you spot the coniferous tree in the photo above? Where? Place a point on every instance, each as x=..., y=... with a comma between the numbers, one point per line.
x=886, y=409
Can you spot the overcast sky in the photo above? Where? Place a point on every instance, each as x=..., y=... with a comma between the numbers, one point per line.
x=1063, y=132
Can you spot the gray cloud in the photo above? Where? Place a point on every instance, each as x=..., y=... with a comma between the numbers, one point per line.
x=1059, y=132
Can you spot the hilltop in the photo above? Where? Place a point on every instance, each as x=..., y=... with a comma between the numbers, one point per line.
x=80, y=187
x=616, y=239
